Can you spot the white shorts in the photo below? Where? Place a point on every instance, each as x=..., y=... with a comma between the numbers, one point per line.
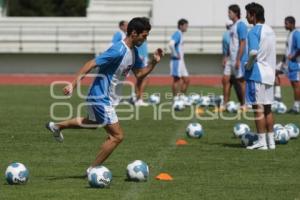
x=178, y=68
x=102, y=114
x=230, y=69
x=259, y=93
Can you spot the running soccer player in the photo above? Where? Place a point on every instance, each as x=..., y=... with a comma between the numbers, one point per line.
x=260, y=75
x=113, y=66
x=237, y=57
x=293, y=61
x=177, y=65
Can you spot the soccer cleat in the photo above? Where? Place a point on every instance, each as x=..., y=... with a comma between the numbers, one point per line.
x=243, y=109
x=220, y=109
x=140, y=102
x=58, y=136
x=272, y=146
x=258, y=146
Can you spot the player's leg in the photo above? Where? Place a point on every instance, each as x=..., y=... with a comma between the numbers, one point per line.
x=236, y=87
x=242, y=85
x=269, y=126
x=277, y=88
x=115, y=137
x=256, y=96
x=78, y=122
x=176, y=85
x=226, y=91
x=296, y=90
x=139, y=90
x=185, y=77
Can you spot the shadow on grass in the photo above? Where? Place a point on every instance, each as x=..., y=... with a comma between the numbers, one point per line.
x=66, y=177
x=230, y=145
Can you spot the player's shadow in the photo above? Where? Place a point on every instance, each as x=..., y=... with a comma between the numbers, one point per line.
x=230, y=145
x=66, y=177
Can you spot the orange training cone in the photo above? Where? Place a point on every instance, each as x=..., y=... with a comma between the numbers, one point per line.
x=181, y=142
x=164, y=177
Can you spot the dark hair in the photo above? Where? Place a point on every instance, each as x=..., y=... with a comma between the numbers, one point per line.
x=236, y=9
x=256, y=10
x=138, y=24
x=290, y=19
x=121, y=23
x=182, y=22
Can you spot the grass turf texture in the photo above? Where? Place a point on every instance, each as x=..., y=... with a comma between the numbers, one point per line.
x=213, y=167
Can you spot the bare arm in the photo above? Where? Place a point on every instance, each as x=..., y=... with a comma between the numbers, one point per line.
x=79, y=75
x=242, y=44
x=141, y=73
x=251, y=60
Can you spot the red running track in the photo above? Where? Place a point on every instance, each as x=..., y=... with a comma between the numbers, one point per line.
x=158, y=80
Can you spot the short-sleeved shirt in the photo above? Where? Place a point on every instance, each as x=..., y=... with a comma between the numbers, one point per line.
x=262, y=40
x=177, y=37
x=113, y=66
x=118, y=36
x=293, y=46
x=238, y=32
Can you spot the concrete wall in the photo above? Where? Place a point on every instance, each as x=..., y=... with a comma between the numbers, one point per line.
x=214, y=12
x=70, y=63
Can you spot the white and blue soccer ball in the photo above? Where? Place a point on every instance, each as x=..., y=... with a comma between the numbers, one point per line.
x=281, y=108
x=204, y=101
x=232, y=107
x=274, y=106
x=137, y=171
x=16, y=173
x=281, y=136
x=154, y=99
x=277, y=125
x=195, y=98
x=248, y=139
x=99, y=177
x=240, y=129
x=292, y=130
x=194, y=130
x=178, y=105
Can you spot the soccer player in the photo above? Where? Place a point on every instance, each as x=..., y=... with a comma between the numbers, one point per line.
x=260, y=75
x=120, y=34
x=293, y=61
x=178, y=69
x=234, y=65
x=113, y=66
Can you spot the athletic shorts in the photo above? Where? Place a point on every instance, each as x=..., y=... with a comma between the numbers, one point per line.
x=259, y=93
x=294, y=73
x=230, y=69
x=101, y=113
x=178, y=68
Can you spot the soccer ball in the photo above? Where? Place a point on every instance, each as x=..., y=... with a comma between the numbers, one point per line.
x=274, y=106
x=99, y=177
x=276, y=126
x=178, y=105
x=194, y=130
x=204, y=101
x=154, y=99
x=137, y=171
x=281, y=108
x=281, y=136
x=232, y=107
x=292, y=130
x=16, y=173
x=248, y=139
x=240, y=129
x=194, y=98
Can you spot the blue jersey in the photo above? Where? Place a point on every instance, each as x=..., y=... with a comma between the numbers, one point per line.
x=225, y=43
x=143, y=52
x=293, y=46
x=262, y=42
x=118, y=36
x=113, y=66
x=178, y=40
x=238, y=32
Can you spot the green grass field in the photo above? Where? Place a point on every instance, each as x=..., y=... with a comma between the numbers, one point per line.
x=213, y=167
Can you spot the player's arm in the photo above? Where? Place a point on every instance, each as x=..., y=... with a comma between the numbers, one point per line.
x=296, y=41
x=225, y=51
x=172, y=48
x=143, y=72
x=242, y=34
x=253, y=45
x=79, y=75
